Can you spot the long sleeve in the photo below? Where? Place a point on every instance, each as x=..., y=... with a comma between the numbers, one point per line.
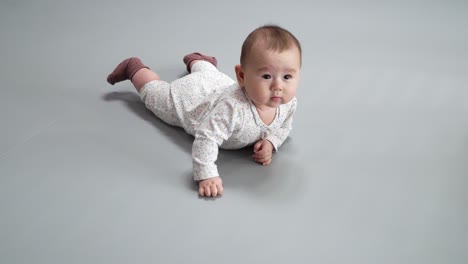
x=216, y=128
x=279, y=135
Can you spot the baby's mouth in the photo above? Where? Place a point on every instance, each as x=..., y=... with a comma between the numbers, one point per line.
x=276, y=98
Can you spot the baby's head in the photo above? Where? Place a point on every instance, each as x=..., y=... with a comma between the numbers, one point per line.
x=270, y=38
x=270, y=66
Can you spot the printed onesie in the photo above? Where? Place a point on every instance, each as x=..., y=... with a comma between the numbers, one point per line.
x=217, y=112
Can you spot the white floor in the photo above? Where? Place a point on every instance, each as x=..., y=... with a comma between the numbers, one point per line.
x=375, y=170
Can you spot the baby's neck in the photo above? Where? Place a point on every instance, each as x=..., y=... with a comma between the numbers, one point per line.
x=264, y=108
x=267, y=114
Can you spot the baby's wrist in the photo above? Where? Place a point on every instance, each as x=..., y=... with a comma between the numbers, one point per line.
x=208, y=178
x=271, y=143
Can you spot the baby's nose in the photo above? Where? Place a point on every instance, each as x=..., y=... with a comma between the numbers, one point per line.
x=276, y=86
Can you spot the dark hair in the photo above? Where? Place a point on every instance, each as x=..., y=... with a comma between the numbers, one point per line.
x=272, y=37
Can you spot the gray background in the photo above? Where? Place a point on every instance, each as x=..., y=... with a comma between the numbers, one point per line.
x=375, y=170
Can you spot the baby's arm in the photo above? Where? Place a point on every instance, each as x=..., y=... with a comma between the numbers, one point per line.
x=263, y=149
x=216, y=128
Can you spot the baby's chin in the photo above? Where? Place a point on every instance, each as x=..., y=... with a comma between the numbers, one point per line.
x=274, y=104
x=282, y=101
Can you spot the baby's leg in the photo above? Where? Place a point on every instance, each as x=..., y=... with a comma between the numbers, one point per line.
x=204, y=77
x=134, y=70
x=192, y=58
x=142, y=77
x=157, y=97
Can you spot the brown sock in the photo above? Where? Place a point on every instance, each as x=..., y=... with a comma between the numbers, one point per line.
x=198, y=56
x=125, y=70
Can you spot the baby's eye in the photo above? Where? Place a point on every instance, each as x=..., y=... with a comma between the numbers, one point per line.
x=287, y=76
x=266, y=76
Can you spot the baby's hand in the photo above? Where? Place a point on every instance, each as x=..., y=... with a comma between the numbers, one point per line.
x=210, y=187
x=263, y=151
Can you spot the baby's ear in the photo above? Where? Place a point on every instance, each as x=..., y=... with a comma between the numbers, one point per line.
x=239, y=75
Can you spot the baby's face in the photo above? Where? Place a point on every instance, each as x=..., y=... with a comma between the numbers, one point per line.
x=270, y=78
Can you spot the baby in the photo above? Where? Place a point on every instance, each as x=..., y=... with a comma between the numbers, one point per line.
x=219, y=112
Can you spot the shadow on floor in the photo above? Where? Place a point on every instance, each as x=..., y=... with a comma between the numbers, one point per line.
x=176, y=134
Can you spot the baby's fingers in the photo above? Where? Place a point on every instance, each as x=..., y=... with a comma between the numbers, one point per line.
x=208, y=191
x=257, y=146
x=264, y=160
x=260, y=154
x=213, y=190
x=220, y=189
x=262, y=157
x=201, y=191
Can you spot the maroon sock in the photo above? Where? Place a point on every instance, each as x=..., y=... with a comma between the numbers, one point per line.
x=198, y=56
x=125, y=70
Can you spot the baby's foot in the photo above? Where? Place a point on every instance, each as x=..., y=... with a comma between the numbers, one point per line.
x=125, y=70
x=198, y=56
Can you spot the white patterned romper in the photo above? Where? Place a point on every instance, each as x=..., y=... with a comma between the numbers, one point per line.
x=212, y=107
